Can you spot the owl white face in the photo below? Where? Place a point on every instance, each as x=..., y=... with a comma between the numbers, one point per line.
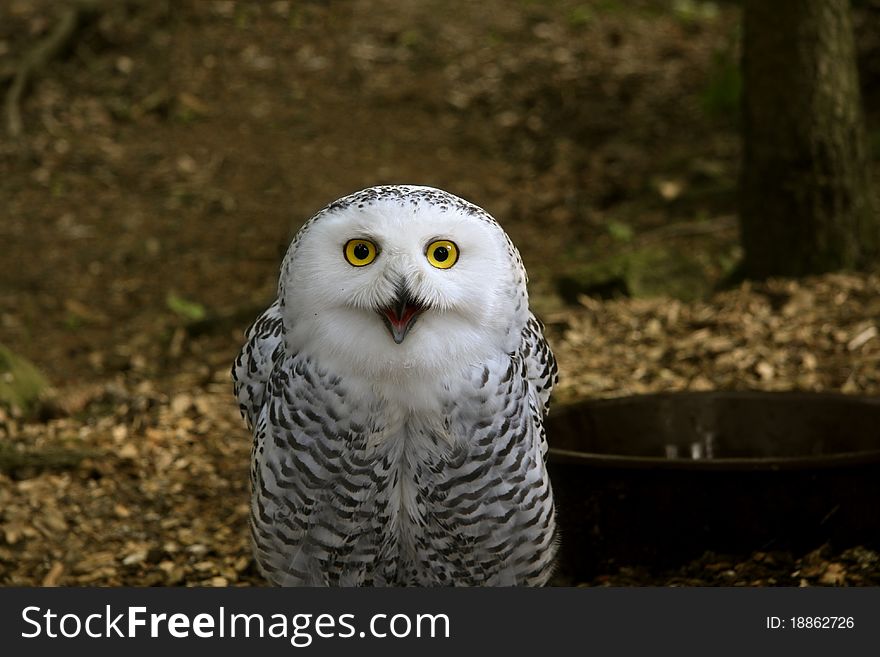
x=404, y=280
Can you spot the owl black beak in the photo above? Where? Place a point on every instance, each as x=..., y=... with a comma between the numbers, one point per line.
x=400, y=316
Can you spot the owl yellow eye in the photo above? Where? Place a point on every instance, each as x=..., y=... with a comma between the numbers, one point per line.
x=442, y=254
x=360, y=252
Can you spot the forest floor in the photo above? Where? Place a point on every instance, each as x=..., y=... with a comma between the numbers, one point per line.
x=171, y=149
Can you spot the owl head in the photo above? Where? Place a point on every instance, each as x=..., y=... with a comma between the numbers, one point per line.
x=400, y=281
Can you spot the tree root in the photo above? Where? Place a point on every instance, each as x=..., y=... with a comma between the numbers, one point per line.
x=52, y=458
x=37, y=58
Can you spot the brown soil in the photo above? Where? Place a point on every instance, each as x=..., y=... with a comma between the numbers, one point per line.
x=172, y=148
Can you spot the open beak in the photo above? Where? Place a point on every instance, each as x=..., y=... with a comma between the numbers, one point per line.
x=400, y=316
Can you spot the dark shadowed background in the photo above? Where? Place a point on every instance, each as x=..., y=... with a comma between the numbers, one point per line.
x=167, y=152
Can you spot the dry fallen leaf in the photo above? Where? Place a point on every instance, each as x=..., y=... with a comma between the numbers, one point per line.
x=834, y=575
x=54, y=574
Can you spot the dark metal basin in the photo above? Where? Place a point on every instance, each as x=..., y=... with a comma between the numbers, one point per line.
x=657, y=480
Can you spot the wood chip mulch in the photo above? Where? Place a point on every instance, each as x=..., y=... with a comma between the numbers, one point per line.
x=140, y=482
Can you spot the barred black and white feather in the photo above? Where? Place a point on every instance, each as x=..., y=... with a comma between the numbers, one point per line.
x=414, y=463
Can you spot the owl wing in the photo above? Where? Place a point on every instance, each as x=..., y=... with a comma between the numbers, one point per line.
x=253, y=366
x=540, y=362
x=541, y=372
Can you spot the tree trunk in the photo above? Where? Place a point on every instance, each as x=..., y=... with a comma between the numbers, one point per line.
x=806, y=200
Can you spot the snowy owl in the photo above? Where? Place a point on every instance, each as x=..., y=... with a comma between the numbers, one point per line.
x=396, y=390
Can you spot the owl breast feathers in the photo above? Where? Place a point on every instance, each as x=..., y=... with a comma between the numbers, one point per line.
x=396, y=390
